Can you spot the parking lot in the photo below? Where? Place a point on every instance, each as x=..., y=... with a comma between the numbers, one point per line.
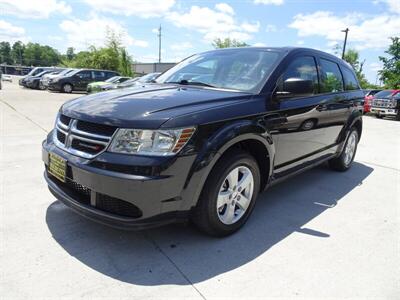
x=320, y=234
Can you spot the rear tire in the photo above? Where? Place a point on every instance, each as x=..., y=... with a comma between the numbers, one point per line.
x=229, y=194
x=345, y=159
x=67, y=88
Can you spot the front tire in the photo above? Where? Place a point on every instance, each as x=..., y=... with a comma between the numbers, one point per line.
x=229, y=194
x=345, y=159
x=67, y=88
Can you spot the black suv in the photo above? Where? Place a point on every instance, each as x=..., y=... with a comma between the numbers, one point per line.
x=78, y=80
x=205, y=138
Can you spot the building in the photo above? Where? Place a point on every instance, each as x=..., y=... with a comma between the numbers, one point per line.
x=146, y=68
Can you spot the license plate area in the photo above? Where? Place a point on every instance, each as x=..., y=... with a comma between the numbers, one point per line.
x=57, y=166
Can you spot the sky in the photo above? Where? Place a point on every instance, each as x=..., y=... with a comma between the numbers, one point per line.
x=190, y=26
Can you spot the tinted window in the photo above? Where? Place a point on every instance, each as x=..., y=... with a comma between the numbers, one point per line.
x=350, y=81
x=331, y=77
x=84, y=75
x=300, y=68
x=99, y=75
x=384, y=94
x=239, y=69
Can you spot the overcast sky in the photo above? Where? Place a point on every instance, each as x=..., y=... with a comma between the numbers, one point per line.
x=190, y=26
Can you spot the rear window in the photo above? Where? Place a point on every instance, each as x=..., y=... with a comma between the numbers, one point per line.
x=350, y=81
x=384, y=94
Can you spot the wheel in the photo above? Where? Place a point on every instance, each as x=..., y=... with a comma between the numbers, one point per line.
x=41, y=86
x=344, y=160
x=67, y=88
x=229, y=194
x=379, y=116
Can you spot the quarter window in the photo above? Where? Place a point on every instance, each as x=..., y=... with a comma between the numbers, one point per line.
x=84, y=75
x=332, y=80
x=350, y=81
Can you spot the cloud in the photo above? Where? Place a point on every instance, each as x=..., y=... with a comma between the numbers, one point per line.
x=213, y=23
x=269, y=2
x=83, y=33
x=393, y=5
x=33, y=9
x=365, y=31
x=11, y=33
x=138, y=8
x=259, y=45
x=181, y=46
x=271, y=28
x=225, y=8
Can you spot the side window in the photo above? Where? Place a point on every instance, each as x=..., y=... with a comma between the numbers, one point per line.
x=99, y=75
x=350, y=81
x=299, y=79
x=331, y=77
x=84, y=75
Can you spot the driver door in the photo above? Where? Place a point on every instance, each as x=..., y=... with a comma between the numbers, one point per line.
x=302, y=133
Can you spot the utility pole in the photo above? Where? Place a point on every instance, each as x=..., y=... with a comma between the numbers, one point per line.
x=159, y=44
x=345, y=41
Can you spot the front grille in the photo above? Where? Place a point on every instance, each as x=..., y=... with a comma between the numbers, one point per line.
x=82, y=138
x=103, y=202
x=384, y=103
x=117, y=206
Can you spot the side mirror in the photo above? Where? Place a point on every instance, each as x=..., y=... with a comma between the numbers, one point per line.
x=296, y=87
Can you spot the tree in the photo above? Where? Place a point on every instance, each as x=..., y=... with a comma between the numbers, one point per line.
x=125, y=63
x=228, y=43
x=17, y=52
x=38, y=55
x=353, y=58
x=70, y=53
x=5, y=53
x=390, y=73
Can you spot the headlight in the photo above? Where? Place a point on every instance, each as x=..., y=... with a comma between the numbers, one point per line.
x=151, y=142
x=393, y=103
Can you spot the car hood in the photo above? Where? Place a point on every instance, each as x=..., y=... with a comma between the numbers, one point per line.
x=148, y=106
x=98, y=83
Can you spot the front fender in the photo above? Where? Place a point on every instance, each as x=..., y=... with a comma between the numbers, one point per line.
x=215, y=146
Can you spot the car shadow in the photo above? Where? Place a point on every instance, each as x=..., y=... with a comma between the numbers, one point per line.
x=147, y=257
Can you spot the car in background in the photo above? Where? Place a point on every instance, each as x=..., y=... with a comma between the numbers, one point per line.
x=34, y=72
x=99, y=86
x=33, y=82
x=138, y=81
x=386, y=104
x=79, y=80
x=44, y=81
x=6, y=77
x=369, y=95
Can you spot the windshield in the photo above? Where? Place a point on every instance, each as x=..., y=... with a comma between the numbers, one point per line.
x=244, y=69
x=42, y=73
x=65, y=72
x=129, y=82
x=113, y=79
x=383, y=94
x=35, y=71
x=148, y=77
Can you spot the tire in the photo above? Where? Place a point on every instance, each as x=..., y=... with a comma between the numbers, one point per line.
x=379, y=116
x=212, y=215
x=41, y=86
x=345, y=159
x=67, y=88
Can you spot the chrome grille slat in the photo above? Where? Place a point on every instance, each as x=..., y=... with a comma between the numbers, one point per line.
x=77, y=139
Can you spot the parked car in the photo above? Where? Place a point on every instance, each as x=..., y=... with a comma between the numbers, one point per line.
x=184, y=148
x=386, y=103
x=44, y=81
x=369, y=95
x=6, y=77
x=79, y=79
x=34, y=72
x=99, y=86
x=33, y=82
x=138, y=81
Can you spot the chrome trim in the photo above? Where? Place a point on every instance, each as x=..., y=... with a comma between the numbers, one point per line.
x=71, y=133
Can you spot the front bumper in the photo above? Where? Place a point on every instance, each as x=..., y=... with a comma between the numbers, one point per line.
x=54, y=86
x=154, y=200
x=384, y=111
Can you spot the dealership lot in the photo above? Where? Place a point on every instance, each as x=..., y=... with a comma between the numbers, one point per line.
x=320, y=234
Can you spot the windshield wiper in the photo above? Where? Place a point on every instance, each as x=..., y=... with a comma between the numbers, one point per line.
x=185, y=82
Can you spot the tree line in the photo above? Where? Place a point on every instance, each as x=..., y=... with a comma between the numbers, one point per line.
x=112, y=56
